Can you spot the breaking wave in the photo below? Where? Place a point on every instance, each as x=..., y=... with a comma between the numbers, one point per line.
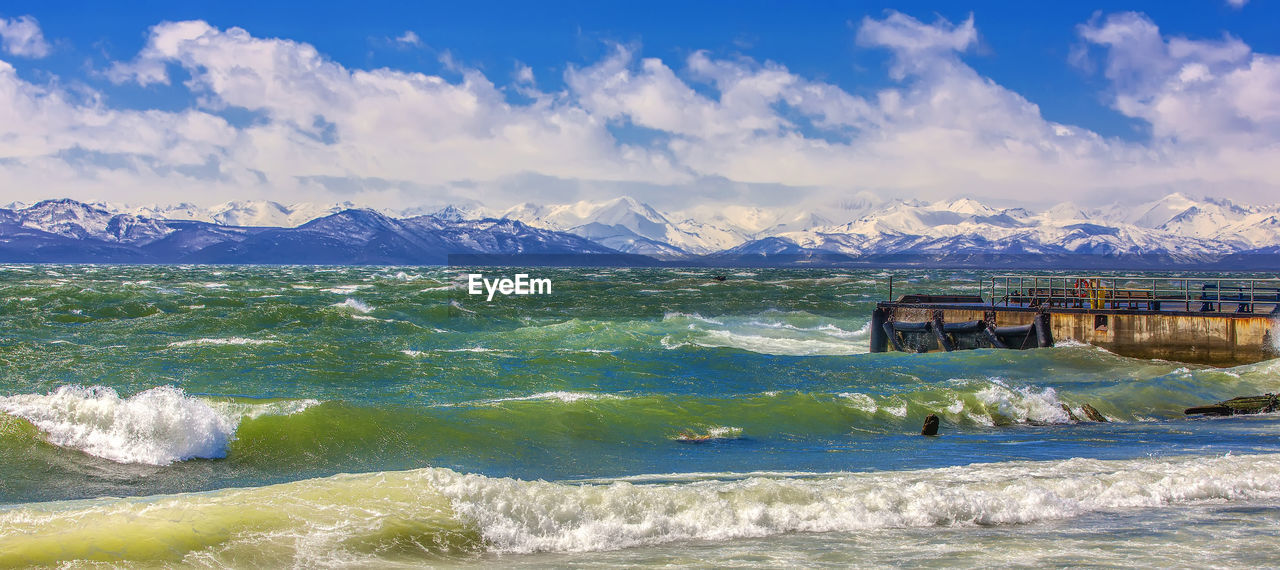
x=155, y=427
x=232, y=341
x=443, y=514
x=355, y=305
x=771, y=332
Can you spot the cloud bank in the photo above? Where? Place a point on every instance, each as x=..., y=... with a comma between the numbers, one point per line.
x=274, y=118
x=22, y=37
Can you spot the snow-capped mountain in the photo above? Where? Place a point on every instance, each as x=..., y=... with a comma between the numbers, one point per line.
x=622, y=223
x=70, y=231
x=250, y=213
x=1176, y=230
x=77, y=220
x=629, y=225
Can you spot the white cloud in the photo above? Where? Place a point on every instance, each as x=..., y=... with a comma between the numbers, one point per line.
x=323, y=123
x=409, y=38
x=1210, y=92
x=524, y=74
x=915, y=43
x=22, y=37
x=1237, y=4
x=674, y=132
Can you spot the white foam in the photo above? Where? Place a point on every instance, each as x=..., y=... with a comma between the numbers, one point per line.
x=345, y=289
x=235, y=340
x=455, y=304
x=1275, y=336
x=239, y=410
x=776, y=345
x=156, y=427
x=895, y=407
x=861, y=402
x=691, y=316
x=1004, y=405
x=355, y=304
x=521, y=517
x=561, y=395
x=725, y=432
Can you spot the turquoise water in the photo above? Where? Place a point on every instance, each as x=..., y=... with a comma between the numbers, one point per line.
x=252, y=416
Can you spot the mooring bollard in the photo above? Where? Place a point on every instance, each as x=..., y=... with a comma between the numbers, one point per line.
x=930, y=425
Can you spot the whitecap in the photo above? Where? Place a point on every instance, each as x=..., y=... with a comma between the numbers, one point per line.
x=345, y=289
x=354, y=304
x=155, y=427
x=561, y=395
x=1003, y=405
x=234, y=341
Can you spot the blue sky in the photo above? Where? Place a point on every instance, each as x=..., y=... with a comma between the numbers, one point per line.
x=675, y=103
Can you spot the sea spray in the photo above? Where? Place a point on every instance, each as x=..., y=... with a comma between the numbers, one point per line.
x=155, y=427
x=232, y=341
x=158, y=426
x=355, y=305
x=519, y=516
x=440, y=513
x=506, y=389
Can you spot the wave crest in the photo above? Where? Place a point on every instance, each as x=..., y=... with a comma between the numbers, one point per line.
x=156, y=427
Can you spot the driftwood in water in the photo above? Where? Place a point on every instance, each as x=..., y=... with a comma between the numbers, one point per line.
x=1263, y=404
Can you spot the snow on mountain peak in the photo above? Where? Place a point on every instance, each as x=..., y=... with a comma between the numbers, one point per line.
x=1175, y=223
x=967, y=206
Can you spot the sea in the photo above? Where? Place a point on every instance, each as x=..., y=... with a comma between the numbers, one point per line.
x=268, y=416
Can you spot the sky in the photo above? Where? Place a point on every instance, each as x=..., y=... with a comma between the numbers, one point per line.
x=678, y=104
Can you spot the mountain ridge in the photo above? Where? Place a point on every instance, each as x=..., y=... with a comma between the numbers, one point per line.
x=1175, y=230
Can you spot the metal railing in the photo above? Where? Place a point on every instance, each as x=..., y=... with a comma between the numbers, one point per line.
x=1136, y=293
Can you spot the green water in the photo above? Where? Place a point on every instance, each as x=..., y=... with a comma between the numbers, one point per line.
x=552, y=428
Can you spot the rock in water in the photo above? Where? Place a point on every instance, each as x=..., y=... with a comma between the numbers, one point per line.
x=1071, y=415
x=930, y=425
x=1092, y=414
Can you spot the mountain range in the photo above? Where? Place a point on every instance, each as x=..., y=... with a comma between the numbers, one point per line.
x=67, y=231
x=1174, y=231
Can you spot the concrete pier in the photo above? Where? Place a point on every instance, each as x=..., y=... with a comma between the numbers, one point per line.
x=1220, y=330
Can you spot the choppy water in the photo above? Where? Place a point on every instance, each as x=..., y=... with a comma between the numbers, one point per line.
x=253, y=416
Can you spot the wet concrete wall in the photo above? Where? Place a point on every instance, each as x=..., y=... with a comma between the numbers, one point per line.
x=1219, y=339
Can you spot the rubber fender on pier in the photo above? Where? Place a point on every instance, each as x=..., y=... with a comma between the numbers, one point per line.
x=941, y=335
x=1044, y=336
x=1015, y=337
x=879, y=337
